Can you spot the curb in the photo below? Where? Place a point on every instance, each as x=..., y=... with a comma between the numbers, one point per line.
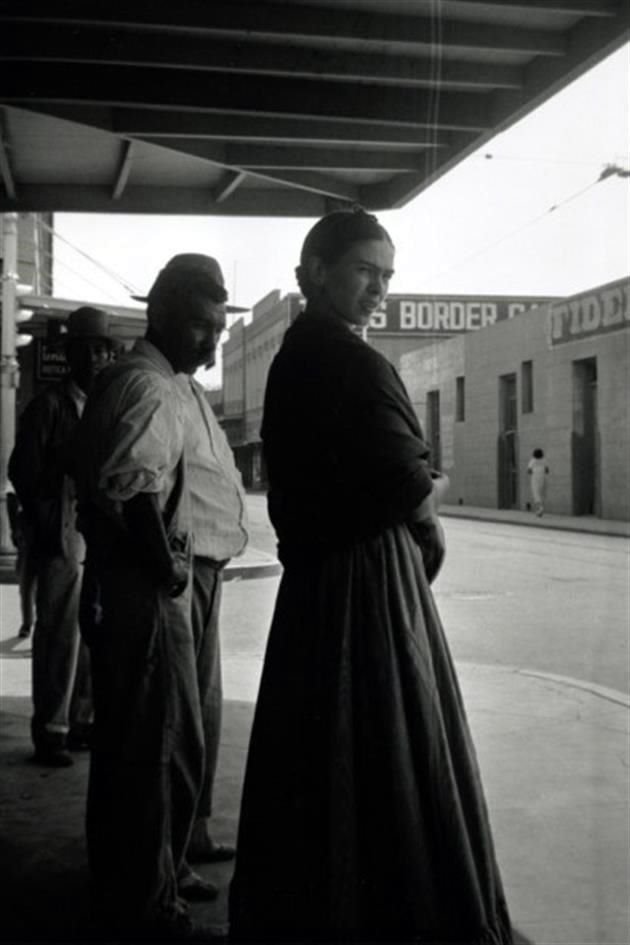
x=614, y=530
x=236, y=572
x=244, y=572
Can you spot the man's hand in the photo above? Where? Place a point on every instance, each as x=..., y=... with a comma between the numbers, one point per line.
x=176, y=578
x=170, y=569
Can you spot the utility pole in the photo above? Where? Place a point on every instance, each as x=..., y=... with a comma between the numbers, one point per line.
x=8, y=368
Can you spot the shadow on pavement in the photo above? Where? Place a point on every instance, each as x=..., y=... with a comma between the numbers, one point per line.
x=43, y=869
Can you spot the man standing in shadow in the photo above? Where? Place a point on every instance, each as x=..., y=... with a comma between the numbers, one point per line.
x=39, y=469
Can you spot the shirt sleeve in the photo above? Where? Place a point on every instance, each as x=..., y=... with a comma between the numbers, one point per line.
x=146, y=442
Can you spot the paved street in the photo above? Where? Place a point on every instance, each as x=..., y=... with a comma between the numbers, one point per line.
x=550, y=601
x=542, y=600
x=538, y=623
x=555, y=602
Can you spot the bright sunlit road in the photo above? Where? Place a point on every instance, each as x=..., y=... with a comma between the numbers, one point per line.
x=541, y=599
x=536, y=599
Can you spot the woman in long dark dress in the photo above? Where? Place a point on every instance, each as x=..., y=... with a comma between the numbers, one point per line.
x=362, y=817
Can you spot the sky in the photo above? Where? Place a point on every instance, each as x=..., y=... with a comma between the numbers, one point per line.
x=526, y=214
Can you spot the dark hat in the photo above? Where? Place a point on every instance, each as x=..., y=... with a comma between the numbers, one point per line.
x=194, y=263
x=86, y=323
x=204, y=270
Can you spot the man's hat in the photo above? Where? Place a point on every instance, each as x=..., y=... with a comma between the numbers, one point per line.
x=86, y=323
x=205, y=270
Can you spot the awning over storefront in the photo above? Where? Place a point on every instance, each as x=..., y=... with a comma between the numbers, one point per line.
x=273, y=107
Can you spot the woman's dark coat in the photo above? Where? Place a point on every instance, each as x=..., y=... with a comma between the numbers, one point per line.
x=363, y=817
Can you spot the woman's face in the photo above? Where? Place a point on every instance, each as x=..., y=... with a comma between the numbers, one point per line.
x=357, y=284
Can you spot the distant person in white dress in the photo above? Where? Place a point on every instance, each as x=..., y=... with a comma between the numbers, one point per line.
x=537, y=470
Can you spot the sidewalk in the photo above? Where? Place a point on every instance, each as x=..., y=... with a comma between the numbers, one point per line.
x=554, y=755
x=569, y=523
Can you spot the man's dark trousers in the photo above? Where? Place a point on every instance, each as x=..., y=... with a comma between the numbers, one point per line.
x=206, y=603
x=148, y=756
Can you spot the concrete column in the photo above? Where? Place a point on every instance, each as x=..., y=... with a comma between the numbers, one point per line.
x=9, y=374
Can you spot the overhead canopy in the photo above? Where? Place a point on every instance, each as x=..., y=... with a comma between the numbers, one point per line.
x=270, y=107
x=127, y=323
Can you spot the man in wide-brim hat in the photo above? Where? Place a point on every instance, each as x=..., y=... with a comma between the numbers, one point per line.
x=39, y=469
x=140, y=501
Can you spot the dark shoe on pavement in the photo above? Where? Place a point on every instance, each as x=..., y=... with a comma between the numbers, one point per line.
x=24, y=632
x=193, y=888
x=193, y=932
x=207, y=851
x=172, y=927
x=53, y=756
x=80, y=737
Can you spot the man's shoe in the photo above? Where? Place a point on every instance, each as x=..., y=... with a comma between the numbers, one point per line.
x=24, y=632
x=79, y=737
x=207, y=851
x=53, y=757
x=174, y=927
x=181, y=929
x=193, y=888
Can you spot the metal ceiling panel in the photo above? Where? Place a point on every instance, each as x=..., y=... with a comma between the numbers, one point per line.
x=274, y=107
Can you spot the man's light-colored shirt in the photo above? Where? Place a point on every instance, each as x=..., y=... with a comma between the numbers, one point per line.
x=217, y=499
x=133, y=428
x=78, y=396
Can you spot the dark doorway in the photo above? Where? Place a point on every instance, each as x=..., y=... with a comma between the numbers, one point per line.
x=585, y=439
x=507, y=447
x=433, y=427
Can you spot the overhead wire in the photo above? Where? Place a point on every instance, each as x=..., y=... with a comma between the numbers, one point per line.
x=46, y=254
x=541, y=216
x=100, y=289
x=540, y=159
x=434, y=101
x=131, y=289
x=435, y=88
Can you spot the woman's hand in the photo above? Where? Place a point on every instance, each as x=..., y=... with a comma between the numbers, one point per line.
x=427, y=529
x=441, y=484
x=429, y=536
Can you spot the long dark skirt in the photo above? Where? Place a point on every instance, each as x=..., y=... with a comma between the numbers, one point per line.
x=363, y=816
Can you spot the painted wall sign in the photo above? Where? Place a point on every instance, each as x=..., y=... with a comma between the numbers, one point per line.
x=446, y=315
x=591, y=313
x=50, y=364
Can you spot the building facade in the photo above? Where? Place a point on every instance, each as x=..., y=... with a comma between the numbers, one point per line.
x=556, y=379
x=403, y=324
x=247, y=357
